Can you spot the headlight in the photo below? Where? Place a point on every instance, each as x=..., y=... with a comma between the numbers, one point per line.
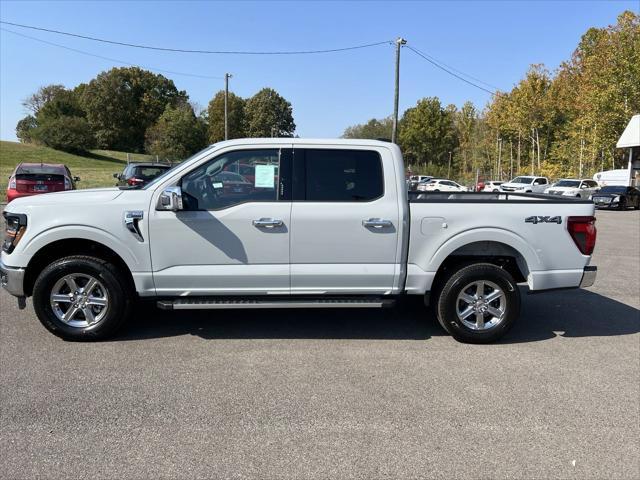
x=616, y=199
x=16, y=226
x=590, y=197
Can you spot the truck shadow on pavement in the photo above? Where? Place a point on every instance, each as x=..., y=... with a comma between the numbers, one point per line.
x=573, y=313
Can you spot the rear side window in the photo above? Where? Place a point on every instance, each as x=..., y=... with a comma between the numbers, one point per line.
x=340, y=175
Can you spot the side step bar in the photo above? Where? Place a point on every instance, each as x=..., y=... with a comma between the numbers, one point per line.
x=209, y=303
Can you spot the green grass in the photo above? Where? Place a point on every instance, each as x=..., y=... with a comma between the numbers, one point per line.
x=96, y=169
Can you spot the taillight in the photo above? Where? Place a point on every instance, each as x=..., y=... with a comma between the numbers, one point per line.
x=67, y=183
x=12, y=183
x=135, y=181
x=583, y=232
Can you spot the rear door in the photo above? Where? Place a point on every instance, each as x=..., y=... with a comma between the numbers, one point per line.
x=344, y=221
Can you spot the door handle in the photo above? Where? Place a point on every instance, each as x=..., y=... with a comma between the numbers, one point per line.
x=377, y=223
x=267, y=223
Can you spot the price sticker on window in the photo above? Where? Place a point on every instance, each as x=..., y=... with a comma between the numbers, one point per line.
x=265, y=176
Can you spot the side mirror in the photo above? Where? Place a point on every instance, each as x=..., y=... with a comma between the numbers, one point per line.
x=170, y=199
x=76, y=179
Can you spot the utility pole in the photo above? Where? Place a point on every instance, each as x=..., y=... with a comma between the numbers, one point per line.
x=227, y=76
x=394, y=133
x=449, y=169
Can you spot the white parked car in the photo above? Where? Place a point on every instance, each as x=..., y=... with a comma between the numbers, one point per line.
x=570, y=187
x=414, y=180
x=317, y=224
x=441, y=185
x=526, y=184
x=492, y=186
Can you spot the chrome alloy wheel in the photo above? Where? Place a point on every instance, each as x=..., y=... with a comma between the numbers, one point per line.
x=481, y=305
x=79, y=300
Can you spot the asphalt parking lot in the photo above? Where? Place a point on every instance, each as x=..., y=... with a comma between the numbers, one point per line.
x=336, y=394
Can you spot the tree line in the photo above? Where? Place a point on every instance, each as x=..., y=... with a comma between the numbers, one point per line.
x=134, y=110
x=559, y=124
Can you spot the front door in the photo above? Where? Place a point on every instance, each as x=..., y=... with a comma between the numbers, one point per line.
x=344, y=222
x=232, y=237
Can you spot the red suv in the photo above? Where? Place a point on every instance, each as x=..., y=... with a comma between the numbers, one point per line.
x=35, y=178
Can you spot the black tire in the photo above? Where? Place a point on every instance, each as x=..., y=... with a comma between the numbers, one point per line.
x=117, y=291
x=446, y=302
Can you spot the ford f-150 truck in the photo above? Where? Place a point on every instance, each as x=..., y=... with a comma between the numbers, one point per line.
x=316, y=224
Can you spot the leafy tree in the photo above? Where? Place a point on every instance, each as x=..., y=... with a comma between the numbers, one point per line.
x=427, y=133
x=177, y=134
x=122, y=103
x=236, y=117
x=373, y=129
x=34, y=102
x=269, y=115
x=67, y=133
x=24, y=128
x=64, y=103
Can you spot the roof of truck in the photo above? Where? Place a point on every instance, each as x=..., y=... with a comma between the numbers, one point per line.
x=303, y=141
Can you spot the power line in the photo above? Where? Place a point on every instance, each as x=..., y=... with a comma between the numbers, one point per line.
x=214, y=52
x=458, y=71
x=123, y=62
x=436, y=64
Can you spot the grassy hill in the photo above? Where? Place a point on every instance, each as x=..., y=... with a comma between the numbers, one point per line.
x=95, y=170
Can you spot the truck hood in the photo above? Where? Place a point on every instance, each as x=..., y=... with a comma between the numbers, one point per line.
x=89, y=196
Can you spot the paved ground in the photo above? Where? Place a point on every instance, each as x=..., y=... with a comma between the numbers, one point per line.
x=336, y=394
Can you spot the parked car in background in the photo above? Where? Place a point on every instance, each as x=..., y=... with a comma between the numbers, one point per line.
x=139, y=174
x=36, y=178
x=441, y=185
x=414, y=180
x=617, y=196
x=491, y=186
x=526, y=184
x=571, y=187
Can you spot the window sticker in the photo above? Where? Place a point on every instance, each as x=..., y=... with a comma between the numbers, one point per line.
x=217, y=185
x=265, y=176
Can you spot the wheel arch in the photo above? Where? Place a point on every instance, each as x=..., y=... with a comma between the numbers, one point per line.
x=73, y=246
x=483, y=251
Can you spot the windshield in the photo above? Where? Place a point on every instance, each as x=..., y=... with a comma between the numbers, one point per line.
x=522, y=180
x=568, y=183
x=160, y=178
x=613, y=189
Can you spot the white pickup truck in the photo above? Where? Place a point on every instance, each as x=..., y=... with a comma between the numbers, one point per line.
x=284, y=223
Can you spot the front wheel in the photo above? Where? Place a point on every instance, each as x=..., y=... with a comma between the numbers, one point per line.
x=81, y=298
x=478, y=303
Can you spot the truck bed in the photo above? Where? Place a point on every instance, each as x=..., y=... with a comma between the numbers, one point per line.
x=491, y=197
x=532, y=228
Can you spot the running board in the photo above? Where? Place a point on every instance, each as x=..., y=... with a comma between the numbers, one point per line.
x=226, y=303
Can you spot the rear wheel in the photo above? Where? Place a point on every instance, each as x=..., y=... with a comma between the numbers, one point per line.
x=478, y=303
x=81, y=298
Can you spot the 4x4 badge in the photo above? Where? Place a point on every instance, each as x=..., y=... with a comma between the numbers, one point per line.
x=539, y=219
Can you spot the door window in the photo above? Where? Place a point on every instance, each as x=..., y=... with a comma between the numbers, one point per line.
x=338, y=175
x=232, y=178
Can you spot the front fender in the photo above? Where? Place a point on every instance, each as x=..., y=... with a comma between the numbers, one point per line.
x=23, y=255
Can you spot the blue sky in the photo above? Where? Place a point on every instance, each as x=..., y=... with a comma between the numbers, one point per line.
x=493, y=41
